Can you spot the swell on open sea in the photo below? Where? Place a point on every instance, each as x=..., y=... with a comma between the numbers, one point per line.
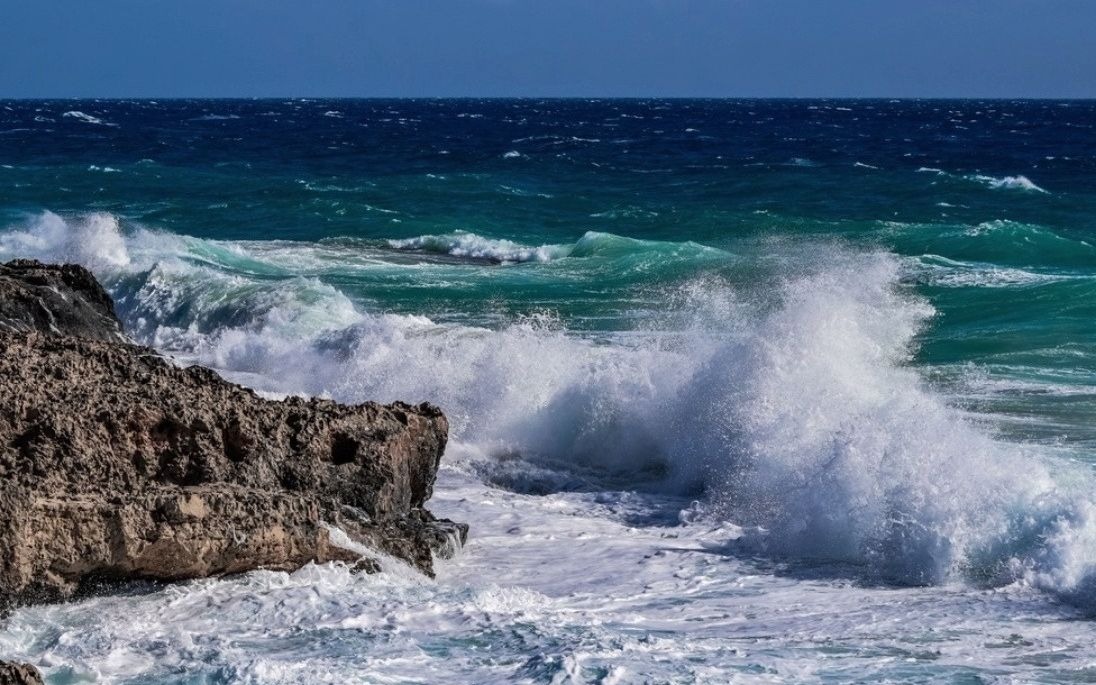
x=753, y=391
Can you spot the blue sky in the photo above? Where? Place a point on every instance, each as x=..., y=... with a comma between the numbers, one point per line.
x=733, y=48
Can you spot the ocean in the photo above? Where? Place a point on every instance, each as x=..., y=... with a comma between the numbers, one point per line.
x=750, y=391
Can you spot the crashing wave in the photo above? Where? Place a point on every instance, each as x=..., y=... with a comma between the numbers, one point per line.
x=797, y=415
x=94, y=240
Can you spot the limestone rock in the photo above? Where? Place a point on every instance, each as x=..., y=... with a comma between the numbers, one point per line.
x=117, y=464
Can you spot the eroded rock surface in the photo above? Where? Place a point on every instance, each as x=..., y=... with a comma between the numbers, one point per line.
x=19, y=674
x=62, y=299
x=117, y=464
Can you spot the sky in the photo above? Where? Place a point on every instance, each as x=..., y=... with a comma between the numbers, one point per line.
x=547, y=48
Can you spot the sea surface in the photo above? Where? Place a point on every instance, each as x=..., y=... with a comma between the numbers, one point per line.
x=741, y=391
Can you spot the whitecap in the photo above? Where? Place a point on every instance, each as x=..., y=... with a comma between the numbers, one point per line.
x=1007, y=182
x=518, y=192
x=1018, y=182
x=467, y=244
x=216, y=117
x=943, y=272
x=86, y=118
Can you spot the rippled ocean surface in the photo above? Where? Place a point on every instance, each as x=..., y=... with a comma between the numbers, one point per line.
x=752, y=391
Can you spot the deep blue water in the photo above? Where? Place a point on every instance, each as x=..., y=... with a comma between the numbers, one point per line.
x=685, y=168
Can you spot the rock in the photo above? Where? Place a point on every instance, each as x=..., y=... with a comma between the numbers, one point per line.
x=19, y=674
x=116, y=464
x=64, y=299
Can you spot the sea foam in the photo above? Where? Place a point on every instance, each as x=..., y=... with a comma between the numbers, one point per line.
x=796, y=415
x=467, y=244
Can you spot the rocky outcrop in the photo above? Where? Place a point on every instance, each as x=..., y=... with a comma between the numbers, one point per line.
x=19, y=674
x=66, y=300
x=117, y=464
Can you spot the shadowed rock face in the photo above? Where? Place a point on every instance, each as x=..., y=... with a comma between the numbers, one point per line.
x=63, y=299
x=116, y=464
x=19, y=674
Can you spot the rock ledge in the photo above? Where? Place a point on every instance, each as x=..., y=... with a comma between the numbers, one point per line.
x=116, y=464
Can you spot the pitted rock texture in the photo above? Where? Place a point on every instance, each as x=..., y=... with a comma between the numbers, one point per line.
x=116, y=464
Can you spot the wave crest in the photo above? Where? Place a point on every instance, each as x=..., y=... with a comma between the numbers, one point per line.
x=86, y=118
x=471, y=245
x=591, y=244
x=1017, y=182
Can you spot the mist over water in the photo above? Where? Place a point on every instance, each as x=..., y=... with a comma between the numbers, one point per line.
x=746, y=385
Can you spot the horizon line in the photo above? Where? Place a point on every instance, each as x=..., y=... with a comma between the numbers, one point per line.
x=241, y=98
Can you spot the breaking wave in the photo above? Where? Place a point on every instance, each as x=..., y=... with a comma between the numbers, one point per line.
x=1008, y=182
x=86, y=118
x=467, y=244
x=591, y=244
x=1017, y=182
x=796, y=415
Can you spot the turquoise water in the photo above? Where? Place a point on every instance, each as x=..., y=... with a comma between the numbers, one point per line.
x=841, y=352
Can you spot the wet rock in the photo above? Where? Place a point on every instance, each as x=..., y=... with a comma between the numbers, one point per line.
x=66, y=300
x=116, y=464
x=19, y=674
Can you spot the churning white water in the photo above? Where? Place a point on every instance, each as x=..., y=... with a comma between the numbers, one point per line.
x=753, y=486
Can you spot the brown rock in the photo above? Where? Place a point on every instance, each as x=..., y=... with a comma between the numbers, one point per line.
x=116, y=464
